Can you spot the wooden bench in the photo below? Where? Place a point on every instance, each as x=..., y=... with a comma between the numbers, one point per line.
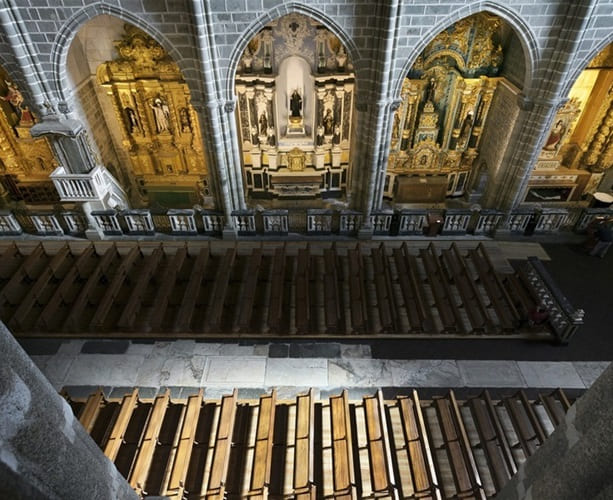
x=304, y=488
x=520, y=297
x=91, y=409
x=137, y=292
x=556, y=405
x=216, y=487
x=9, y=262
x=381, y=464
x=187, y=438
x=249, y=290
x=357, y=292
x=424, y=477
x=527, y=427
x=147, y=446
x=38, y=288
x=493, y=440
x=463, y=465
x=16, y=287
x=302, y=292
x=262, y=453
x=277, y=289
x=184, y=315
x=386, y=300
x=107, y=300
x=73, y=320
x=332, y=298
x=342, y=450
x=213, y=317
x=115, y=439
x=164, y=290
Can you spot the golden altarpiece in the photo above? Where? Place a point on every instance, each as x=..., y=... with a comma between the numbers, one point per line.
x=579, y=147
x=295, y=91
x=159, y=127
x=444, y=106
x=25, y=162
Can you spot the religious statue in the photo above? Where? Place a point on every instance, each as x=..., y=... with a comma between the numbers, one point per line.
x=341, y=58
x=430, y=91
x=161, y=114
x=255, y=140
x=263, y=124
x=336, y=138
x=466, y=128
x=328, y=122
x=271, y=139
x=555, y=136
x=247, y=60
x=295, y=104
x=186, y=126
x=319, y=140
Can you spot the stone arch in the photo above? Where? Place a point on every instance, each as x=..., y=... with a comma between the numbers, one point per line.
x=582, y=64
x=276, y=13
x=64, y=38
x=523, y=32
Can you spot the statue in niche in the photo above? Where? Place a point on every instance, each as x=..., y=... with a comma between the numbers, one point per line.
x=336, y=137
x=161, y=114
x=557, y=132
x=247, y=60
x=186, y=126
x=263, y=121
x=255, y=140
x=467, y=125
x=319, y=139
x=130, y=115
x=396, y=126
x=271, y=139
x=295, y=104
x=27, y=118
x=341, y=58
x=430, y=91
x=328, y=122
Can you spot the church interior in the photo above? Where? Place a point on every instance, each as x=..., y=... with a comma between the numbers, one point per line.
x=306, y=249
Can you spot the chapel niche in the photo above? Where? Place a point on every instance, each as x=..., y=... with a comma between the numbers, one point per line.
x=295, y=90
x=159, y=128
x=576, y=158
x=445, y=103
x=25, y=162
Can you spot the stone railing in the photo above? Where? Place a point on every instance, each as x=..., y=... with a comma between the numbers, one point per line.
x=550, y=219
x=97, y=185
x=412, y=222
x=350, y=222
x=275, y=222
x=487, y=221
x=456, y=221
x=244, y=222
x=319, y=221
x=589, y=215
x=381, y=222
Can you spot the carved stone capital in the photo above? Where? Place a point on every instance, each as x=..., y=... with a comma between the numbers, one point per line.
x=229, y=106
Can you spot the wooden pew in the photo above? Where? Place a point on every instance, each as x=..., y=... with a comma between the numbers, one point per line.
x=180, y=464
x=113, y=444
x=556, y=405
x=381, y=464
x=463, y=465
x=342, y=450
x=249, y=290
x=160, y=302
x=444, y=304
x=493, y=440
x=147, y=445
x=26, y=274
x=22, y=313
x=216, y=486
x=135, y=302
x=262, y=453
x=332, y=299
x=471, y=298
x=304, y=487
x=9, y=262
x=184, y=315
x=50, y=318
x=104, y=306
x=73, y=320
x=90, y=411
x=302, y=294
x=213, y=317
x=525, y=422
x=275, y=302
x=386, y=300
x=520, y=297
x=424, y=476
x=357, y=292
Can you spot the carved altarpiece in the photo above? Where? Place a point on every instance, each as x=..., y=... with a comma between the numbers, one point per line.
x=159, y=127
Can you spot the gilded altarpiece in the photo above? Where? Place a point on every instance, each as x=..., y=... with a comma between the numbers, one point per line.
x=159, y=127
x=295, y=91
x=445, y=101
x=25, y=162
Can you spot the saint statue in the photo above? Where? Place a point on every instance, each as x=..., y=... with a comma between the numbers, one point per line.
x=295, y=104
x=431, y=90
x=555, y=136
x=467, y=125
x=328, y=122
x=161, y=114
x=263, y=124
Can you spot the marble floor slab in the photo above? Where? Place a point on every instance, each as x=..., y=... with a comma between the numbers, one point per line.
x=589, y=371
x=295, y=372
x=545, y=373
x=236, y=371
x=490, y=373
x=426, y=373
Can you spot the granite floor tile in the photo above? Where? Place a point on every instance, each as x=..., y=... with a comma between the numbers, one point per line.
x=278, y=351
x=550, y=374
x=358, y=373
x=426, y=373
x=296, y=372
x=207, y=348
x=71, y=347
x=40, y=347
x=105, y=347
x=313, y=350
x=237, y=350
x=107, y=369
x=490, y=373
x=589, y=371
x=355, y=351
x=236, y=371
x=186, y=371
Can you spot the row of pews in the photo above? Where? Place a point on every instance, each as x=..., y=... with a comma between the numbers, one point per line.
x=333, y=448
x=260, y=289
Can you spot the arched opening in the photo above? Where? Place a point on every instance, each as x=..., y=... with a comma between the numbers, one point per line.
x=25, y=162
x=575, y=161
x=457, y=112
x=138, y=110
x=295, y=93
